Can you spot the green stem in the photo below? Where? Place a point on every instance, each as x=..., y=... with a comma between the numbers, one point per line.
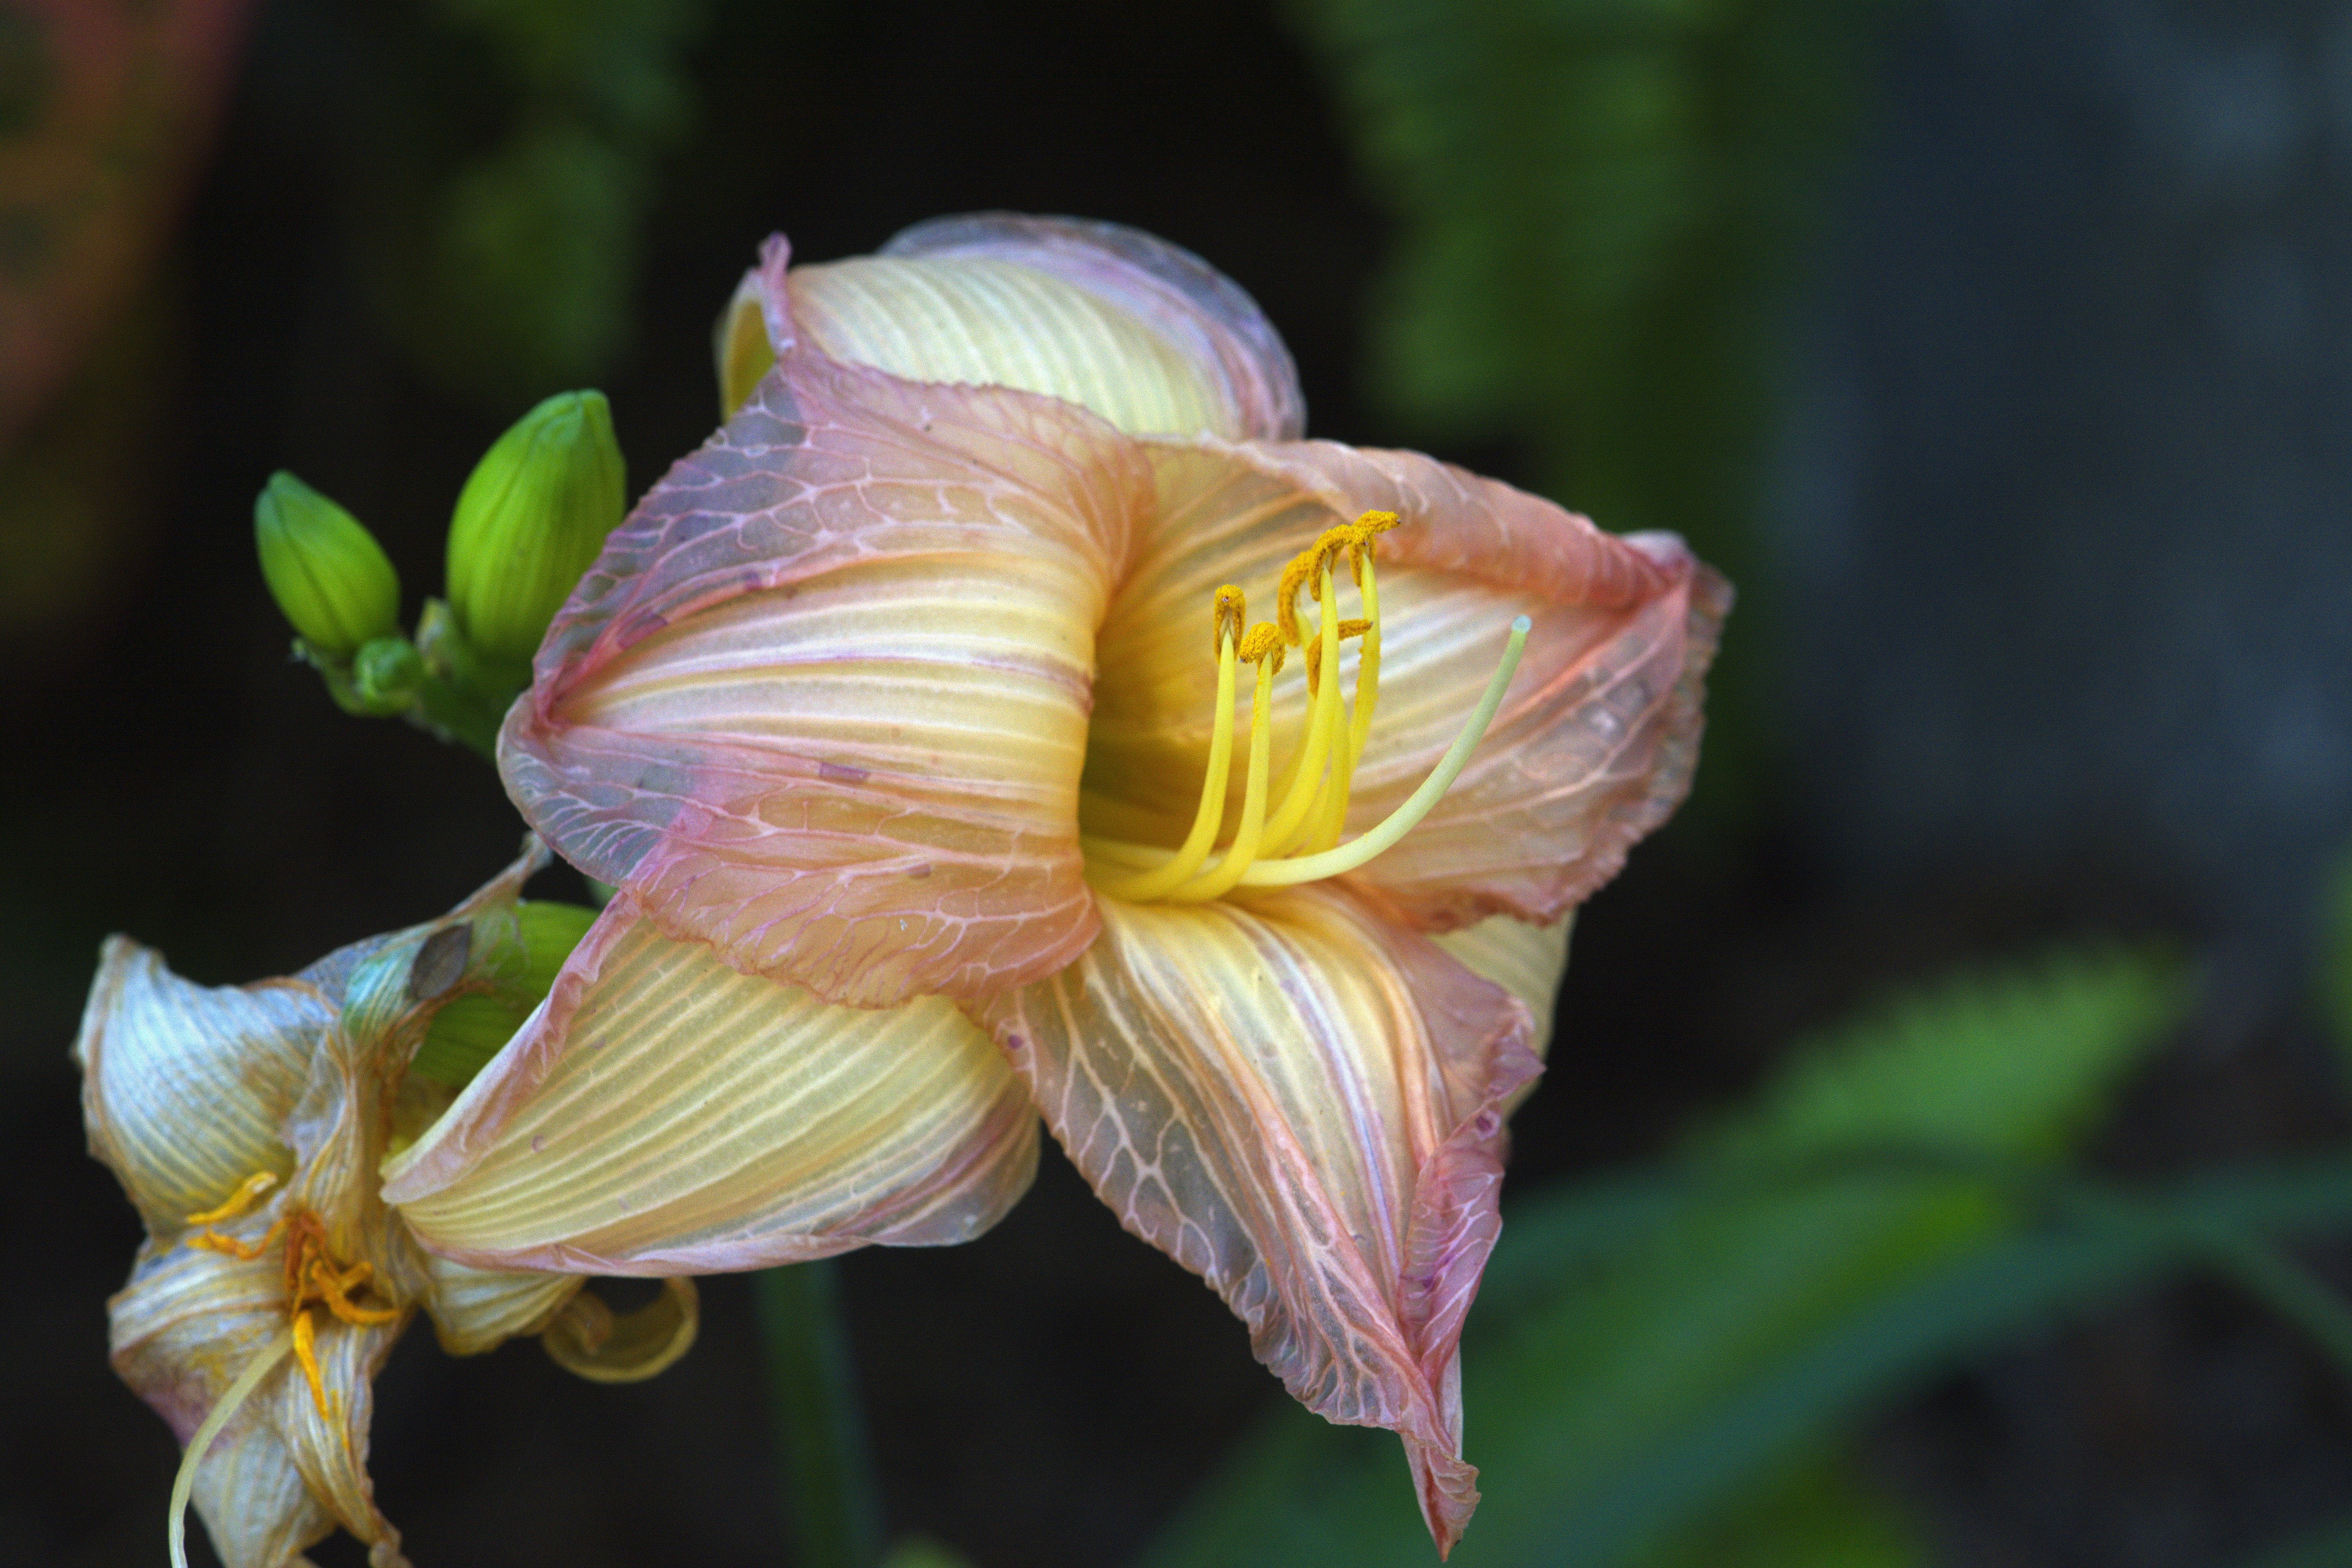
x=836, y=1521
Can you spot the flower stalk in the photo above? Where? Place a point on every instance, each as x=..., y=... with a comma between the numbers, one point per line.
x=828, y=1477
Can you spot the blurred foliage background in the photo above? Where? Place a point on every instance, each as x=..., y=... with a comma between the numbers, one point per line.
x=1945, y=1157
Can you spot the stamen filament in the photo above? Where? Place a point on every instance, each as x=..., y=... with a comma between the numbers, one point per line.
x=1221, y=877
x=1306, y=784
x=1211, y=816
x=223, y=1410
x=1284, y=873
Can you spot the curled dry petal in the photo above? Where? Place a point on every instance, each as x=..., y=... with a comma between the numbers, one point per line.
x=154, y=1045
x=822, y=703
x=589, y=1340
x=1301, y=1102
x=1145, y=334
x=664, y=1114
x=1594, y=744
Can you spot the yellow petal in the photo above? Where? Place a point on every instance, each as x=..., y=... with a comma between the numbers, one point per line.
x=1141, y=333
x=665, y=1114
x=1301, y=1103
x=822, y=704
x=473, y=1309
x=185, y=1088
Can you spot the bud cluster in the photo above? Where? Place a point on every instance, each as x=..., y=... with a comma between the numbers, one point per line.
x=528, y=524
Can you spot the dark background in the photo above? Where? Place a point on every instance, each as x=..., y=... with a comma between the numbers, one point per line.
x=2044, y=557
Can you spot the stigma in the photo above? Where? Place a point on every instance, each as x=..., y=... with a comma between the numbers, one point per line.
x=1289, y=828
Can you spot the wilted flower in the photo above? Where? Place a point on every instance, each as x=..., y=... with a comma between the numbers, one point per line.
x=909, y=715
x=246, y=1124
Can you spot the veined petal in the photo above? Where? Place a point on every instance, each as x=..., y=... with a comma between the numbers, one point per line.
x=665, y=1114
x=1301, y=1102
x=1596, y=740
x=1524, y=959
x=473, y=1309
x=181, y=1331
x=331, y=1449
x=1145, y=334
x=822, y=702
x=152, y=1047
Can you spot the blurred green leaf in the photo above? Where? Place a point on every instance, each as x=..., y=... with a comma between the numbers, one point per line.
x=2335, y=956
x=2330, y=1546
x=1820, y=1517
x=1674, y=1342
x=518, y=148
x=1601, y=207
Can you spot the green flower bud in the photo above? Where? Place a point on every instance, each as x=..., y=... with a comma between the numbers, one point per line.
x=529, y=522
x=326, y=572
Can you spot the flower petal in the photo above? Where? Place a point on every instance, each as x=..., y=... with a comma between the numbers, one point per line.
x=1594, y=744
x=822, y=702
x=331, y=1449
x=589, y=1340
x=1301, y=1102
x=1145, y=334
x=152, y=1045
x=1524, y=959
x=664, y=1114
x=181, y=1331
x=474, y=1310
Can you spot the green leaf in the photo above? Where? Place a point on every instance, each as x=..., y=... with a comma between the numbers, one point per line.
x=1673, y=1340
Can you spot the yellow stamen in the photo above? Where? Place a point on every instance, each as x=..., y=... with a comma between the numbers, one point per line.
x=243, y=1251
x=1348, y=856
x=252, y=1187
x=1211, y=813
x=306, y=1333
x=1318, y=776
x=334, y=1289
x=1262, y=647
x=1323, y=722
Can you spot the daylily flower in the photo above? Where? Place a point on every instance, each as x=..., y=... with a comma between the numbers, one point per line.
x=246, y=1124
x=921, y=721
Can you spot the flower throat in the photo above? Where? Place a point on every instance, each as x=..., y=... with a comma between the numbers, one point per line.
x=1289, y=831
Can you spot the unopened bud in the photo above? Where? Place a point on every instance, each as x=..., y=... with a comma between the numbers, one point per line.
x=326, y=572
x=529, y=522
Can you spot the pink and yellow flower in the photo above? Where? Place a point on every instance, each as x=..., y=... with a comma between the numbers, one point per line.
x=921, y=722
